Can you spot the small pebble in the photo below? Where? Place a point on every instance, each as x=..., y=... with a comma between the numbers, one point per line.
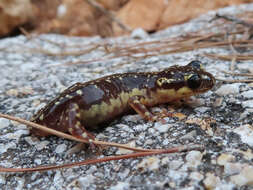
x=233, y=168
x=2, y=179
x=4, y=123
x=126, y=151
x=139, y=33
x=201, y=109
x=151, y=163
x=247, y=104
x=175, y=164
x=224, y=158
x=245, y=177
x=211, y=181
x=196, y=176
x=41, y=145
x=189, y=136
x=120, y=186
x=86, y=181
x=246, y=134
x=162, y=128
x=37, y=161
x=61, y=148
x=247, y=94
x=194, y=158
x=228, y=89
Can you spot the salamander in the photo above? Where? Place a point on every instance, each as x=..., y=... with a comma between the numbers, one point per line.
x=85, y=106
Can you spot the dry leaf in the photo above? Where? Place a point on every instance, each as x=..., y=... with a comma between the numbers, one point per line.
x=140, y=14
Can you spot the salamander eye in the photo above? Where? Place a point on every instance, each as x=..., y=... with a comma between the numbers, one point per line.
x=194, y=81
x=195, y=64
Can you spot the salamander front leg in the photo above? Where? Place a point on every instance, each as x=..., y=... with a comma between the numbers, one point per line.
x=74, y=125
x=136, y=103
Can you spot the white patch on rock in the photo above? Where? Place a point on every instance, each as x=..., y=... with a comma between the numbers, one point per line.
x=120, y=186
x=224, y=158
x=139, y=33
x=175, y=164
x=247, y=94
x=31, y=140
x=245, y=177
x=228, y=89
x=5, y=147
x=211, y=181
x=15, y=135
x=2, y=179
x=247, y=104
x=233, y=168
x=194, y=158
x=21, y=182
x=86, y=181
x=201, y=109
x=126, y=151
x=161, y=128
x=196, y=176
x=4, y=123
x=246, y=134
x=151, y=163
x=60, y=148
x=58, y=179
x=41, y=145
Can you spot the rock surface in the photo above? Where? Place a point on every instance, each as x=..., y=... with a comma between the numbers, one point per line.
x=30, y=79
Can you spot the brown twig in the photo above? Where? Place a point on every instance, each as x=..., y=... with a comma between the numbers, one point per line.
x=106, y=159
x=70, y=137
x=141, y=152
x=239, y=57
x=235, y=81
x=238, y=74
x=234, y=20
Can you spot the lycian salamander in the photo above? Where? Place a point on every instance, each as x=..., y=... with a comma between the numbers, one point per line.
x=84, y=106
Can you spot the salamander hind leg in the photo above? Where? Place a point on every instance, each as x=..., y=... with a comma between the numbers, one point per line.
x=73, y=123
x=136, y=103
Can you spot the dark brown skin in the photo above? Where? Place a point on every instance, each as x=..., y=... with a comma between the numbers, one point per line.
x=87, y=105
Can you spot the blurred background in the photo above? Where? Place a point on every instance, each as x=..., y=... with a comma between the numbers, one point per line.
x=99, y=17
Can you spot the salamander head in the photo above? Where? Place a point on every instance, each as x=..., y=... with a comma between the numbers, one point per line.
x=49, y=116
x=185, y=81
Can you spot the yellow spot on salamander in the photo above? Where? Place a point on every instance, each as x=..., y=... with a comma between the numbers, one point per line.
x=56, y=103
x=78, y=124
x=41, y=117
x=163, y=80
x=184, y=91
x=186, y=77
x=147, y=113
x=78, y=115
x=84, y=135
x=79, y=92
x=68, y=96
